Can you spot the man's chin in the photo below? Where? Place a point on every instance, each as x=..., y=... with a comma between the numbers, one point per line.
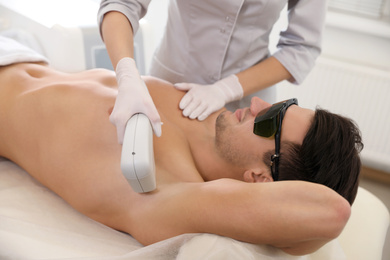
x=221, y=117
x=221, y=122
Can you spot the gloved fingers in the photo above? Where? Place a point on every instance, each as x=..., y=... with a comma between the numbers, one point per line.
x=191, y=107
x=198, y=111
x=120, y=132
x=152, y=113
x=118, y=119
x=157, y=128
x=155, y=121
x=204, y=115
x=211, y=108
x=185, y=101
x=208, y=111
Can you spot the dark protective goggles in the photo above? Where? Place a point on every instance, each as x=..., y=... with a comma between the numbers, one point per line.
x=268, y=123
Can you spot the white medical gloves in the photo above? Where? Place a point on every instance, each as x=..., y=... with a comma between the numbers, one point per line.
x=133, y=97
x=202, y=100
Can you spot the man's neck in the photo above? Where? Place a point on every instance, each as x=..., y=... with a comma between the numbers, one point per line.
x=209, y=163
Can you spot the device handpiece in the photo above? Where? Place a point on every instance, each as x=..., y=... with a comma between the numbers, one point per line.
x=137, y=159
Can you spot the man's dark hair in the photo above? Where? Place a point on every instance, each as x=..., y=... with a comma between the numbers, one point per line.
x=329, y=155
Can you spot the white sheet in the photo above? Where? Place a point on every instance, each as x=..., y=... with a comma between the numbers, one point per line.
x=12, y=51
x=35, y=223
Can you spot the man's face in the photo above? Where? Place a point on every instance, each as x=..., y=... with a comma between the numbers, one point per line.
x=236, y=142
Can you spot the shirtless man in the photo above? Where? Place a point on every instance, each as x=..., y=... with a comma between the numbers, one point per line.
x=211, y=175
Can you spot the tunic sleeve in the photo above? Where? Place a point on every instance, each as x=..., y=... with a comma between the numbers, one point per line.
x=300, y=44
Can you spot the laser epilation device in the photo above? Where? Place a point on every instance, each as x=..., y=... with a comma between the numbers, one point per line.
x=137, y=160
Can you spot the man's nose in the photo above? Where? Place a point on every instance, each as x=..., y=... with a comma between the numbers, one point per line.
x=257, y=105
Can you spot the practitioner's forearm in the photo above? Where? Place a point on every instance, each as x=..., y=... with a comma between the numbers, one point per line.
x=263, y=75
x=118, y=35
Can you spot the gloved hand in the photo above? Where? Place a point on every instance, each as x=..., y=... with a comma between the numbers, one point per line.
x=202, y=100
x=133, y=97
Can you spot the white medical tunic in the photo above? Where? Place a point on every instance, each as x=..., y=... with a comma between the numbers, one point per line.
x=205, y=41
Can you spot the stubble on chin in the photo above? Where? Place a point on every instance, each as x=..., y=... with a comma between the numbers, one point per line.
x=222, y=137
x=220, y=124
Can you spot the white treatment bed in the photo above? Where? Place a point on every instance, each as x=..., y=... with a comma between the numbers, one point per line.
x=35, y=223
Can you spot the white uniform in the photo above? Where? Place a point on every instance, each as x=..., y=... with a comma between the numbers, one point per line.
x=206, y=41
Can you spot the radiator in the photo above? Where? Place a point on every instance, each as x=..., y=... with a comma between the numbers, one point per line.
x=356, y=91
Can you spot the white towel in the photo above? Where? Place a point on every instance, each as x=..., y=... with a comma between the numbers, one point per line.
x=12, y=52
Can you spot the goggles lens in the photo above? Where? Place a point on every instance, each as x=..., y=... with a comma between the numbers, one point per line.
x=267, y=121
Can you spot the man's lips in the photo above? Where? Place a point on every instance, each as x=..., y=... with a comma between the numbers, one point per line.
x=242, y=113
x=238, y=114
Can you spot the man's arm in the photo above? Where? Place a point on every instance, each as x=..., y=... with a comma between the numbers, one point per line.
x=297, y=217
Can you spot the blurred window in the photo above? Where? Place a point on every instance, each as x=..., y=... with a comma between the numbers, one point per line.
x=371, y=8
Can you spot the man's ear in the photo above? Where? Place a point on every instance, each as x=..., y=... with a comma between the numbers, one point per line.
x=257, y=175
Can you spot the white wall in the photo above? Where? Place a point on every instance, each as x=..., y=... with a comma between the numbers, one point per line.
x=358, y=40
